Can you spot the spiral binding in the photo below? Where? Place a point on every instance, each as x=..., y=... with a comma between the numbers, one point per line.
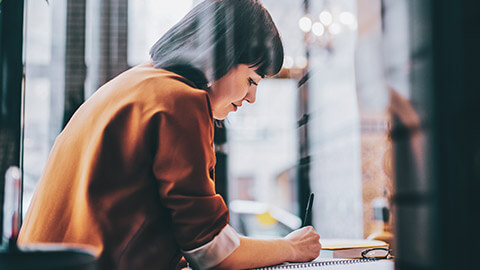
x=314, y=264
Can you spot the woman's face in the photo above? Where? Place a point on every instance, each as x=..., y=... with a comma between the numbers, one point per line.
x=229, y=92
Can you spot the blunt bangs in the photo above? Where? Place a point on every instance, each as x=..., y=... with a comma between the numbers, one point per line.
x=259, y=42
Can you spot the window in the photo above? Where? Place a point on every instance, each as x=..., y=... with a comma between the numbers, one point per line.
x=147, y=21
x=43, y=86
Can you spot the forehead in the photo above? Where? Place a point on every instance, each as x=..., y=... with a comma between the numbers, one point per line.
x=248, y=71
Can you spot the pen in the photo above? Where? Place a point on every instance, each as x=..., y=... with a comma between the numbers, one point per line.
x=308, y=210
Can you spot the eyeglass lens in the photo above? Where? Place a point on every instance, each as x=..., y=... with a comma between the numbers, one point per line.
x=376, y=253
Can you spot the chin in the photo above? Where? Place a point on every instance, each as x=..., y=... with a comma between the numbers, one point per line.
x=220, y=116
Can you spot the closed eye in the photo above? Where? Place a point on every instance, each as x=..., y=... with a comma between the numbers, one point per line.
x=251, y=81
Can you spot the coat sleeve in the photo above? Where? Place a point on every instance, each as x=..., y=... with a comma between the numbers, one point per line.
x=184, y=165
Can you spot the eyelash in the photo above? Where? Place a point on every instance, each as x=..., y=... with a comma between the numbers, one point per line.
x=251, y=81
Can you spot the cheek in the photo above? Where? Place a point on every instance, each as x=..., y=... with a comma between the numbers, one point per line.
x=233, y=87
x=240, y=90
x=233, y=92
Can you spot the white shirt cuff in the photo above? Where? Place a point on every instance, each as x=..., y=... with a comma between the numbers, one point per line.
x=215, y=251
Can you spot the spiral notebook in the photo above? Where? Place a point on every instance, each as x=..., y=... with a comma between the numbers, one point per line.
x=323, y=263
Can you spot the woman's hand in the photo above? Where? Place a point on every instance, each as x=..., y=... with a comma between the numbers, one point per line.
x=305, y=243
x=301, y=245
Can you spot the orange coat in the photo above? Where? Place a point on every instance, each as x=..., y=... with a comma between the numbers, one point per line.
x=132, y=174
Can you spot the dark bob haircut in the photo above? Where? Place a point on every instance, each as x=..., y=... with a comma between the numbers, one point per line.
x=217, y=35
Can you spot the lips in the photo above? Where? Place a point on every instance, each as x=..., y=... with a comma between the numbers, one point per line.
x=235, y=106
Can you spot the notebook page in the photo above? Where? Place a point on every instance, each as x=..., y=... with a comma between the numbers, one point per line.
x=325, y=263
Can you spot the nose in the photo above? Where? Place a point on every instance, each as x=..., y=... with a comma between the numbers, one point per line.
x=251, y=95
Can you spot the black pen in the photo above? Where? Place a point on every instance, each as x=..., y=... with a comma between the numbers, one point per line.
x=308, y=210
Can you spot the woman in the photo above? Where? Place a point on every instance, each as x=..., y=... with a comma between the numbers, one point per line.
x=132, y=172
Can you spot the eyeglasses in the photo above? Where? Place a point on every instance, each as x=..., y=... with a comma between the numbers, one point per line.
x=377, y=253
